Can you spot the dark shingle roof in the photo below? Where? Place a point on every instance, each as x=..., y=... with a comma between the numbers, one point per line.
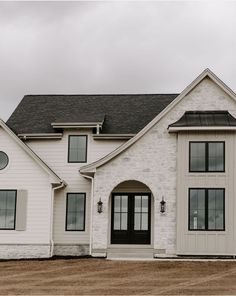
x=205, y=118
x=124, y=114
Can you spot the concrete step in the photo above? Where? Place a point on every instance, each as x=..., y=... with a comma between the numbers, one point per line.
x=130, y=253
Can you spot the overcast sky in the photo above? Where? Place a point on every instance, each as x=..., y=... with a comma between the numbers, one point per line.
x=112, y=47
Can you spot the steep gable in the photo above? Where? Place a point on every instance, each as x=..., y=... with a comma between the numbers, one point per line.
x=207, y=85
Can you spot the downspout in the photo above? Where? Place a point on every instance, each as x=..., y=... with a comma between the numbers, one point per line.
x=63, y=184
x=91, y=213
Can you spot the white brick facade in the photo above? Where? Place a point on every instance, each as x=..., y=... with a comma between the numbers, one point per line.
x=152, y=160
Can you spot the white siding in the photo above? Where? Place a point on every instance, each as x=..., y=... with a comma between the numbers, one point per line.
x=23, y=173
x=55, y=154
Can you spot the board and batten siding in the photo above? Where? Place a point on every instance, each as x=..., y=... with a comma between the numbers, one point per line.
x=55, y=154
x=206, y=242
x=33, y=193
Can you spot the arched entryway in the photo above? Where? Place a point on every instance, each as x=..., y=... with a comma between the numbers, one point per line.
x=131, y=214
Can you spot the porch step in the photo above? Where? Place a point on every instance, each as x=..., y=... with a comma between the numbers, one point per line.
x=130, y=253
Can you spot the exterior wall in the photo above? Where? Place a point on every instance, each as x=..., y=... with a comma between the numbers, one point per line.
x=55, y=154
x=20, y=251
x=71, y=250
x=23, y=173
x=206, y=242
x=152, y=160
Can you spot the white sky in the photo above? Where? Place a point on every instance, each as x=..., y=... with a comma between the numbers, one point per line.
x=112, y=47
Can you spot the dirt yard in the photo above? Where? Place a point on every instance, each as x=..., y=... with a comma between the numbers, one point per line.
x=103, y=277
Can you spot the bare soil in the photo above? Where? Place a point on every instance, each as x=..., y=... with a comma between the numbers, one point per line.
x=104, y=277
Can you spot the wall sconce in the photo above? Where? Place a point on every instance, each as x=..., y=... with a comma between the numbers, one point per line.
x=163, y=205
x=99, y=203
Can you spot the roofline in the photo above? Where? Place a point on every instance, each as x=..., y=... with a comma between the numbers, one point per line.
x=40, y=136
x=207, y=72
x=76, y=124
x=55, y=178
x=202, y=128
x=113, y=136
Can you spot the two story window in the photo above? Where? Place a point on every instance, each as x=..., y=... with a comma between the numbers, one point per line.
x=206, y=205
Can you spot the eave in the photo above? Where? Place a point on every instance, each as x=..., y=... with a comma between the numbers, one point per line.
x=40, y=136
x=201, y=128
x=113, y=136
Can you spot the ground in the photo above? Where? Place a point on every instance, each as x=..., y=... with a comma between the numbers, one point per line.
x=104, y=277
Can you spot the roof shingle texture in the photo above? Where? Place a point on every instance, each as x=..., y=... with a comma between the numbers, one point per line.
x=124, y=114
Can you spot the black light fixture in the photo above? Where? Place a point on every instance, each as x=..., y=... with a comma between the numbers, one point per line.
x=163, y=205
x=100, y=203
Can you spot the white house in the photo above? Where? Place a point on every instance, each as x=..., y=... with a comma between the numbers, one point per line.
x=120, y=175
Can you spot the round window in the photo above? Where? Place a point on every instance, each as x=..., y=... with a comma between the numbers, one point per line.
x=3, y=160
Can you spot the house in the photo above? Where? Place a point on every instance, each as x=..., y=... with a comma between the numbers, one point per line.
x=120, y=175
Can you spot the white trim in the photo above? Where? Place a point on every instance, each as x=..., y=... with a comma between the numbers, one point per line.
x=54, y=177
x=40, y=136
x=201, y=128
x=113, y=136
x=76, y=124
x=92, y=167
x=91, y=213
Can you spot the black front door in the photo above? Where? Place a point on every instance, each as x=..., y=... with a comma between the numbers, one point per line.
x=130, y=218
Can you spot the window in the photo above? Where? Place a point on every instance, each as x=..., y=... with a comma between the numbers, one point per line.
x=3, y=160
x=75, y=211
x=206, y=156
x=77, y=149
x=7, y=209
x=206, y=209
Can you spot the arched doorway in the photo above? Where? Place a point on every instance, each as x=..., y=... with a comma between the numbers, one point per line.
x=131, y=214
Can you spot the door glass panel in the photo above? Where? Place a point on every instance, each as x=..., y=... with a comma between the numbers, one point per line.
x=116, y=221
x=120, y=212
x=124, y=221
x=145, y=204
x=117, y=203
x=137, y=221
x=144, y=225
x=124, y=204
x=137, y=204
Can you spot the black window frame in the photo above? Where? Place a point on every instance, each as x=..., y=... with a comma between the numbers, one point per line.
x=206, y=208
x=206, y=157
x=67, y=196
x=86, y=150
x=14, y=227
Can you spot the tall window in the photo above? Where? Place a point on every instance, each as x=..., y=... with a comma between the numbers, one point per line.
x=75, y=211
x=206, y=209
x=7, y=209
x=77, y=149
x=206, y=156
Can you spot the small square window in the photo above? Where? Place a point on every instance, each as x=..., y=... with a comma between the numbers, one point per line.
x=206, y=156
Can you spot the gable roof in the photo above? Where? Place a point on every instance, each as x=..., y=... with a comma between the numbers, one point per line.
x=122, y=114
x=91, y=168
x=55, y=179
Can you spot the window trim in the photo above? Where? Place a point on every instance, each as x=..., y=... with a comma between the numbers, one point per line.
x=67, y=196
x=206, y=157
x=14, y=190
x=86, y=150
x=206, y=208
